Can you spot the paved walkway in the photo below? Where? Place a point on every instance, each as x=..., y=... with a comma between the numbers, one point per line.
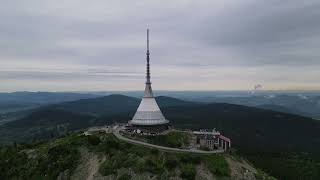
x=163, y=148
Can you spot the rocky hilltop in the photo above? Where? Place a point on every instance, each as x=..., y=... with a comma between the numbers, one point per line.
x=103, y=156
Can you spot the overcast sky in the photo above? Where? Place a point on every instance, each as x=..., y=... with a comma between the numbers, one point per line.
x=82, y=45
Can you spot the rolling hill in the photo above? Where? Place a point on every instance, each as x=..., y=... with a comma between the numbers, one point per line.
x=277, y=142
x=59, y=118
x=257, y=126
x=112, y=104
x=17, y=101
x=106, y=105
x=297, y=104
x=43, y=97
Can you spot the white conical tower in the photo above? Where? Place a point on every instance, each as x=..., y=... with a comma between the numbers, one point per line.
x=148, y=113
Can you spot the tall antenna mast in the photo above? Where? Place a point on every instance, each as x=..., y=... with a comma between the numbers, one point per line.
x=148, y=60
x=147, y=40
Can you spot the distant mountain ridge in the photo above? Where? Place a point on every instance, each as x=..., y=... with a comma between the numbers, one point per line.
x=43, y=97
x=106, y=105
x=237, y=121
x=306, y=104
x=77, y=114
x=271, y=139
x=297, y=104
x=113, y=104
x=16, y=101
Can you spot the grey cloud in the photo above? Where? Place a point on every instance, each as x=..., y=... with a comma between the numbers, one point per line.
x=269, y=32
x=190, y=36
x=66, y=76
x=268, y=22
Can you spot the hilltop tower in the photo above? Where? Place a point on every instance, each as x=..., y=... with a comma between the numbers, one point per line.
x=149, y=116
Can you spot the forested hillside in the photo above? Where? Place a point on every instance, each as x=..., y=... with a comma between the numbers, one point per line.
x=277, y=142
x=103, y=156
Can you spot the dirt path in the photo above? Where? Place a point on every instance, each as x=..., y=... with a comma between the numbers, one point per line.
x=241, y=170
x=88, y=167
x=93, y=167
x=163, y=148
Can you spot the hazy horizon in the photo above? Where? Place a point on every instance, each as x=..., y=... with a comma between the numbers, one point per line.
x=78, y=45
x=174, y=91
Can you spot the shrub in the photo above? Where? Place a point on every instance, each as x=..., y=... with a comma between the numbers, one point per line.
x=138, y=150
x=140, y=165
x=108, y=145
x=154, y=151
x=93, y=140
x=11, y=163
x=107, y=168
x=188, y=171
x=61, y=158
x=218, y=165
x=125, y=146
x=189, y=158
x=172, y=139
x=164, y=175
x=125, y=177
x=171, y=163
x=151, y=165
x=154, y=164
x=131, y=160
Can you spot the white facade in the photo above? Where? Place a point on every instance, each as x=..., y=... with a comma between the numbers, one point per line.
x=148, y=113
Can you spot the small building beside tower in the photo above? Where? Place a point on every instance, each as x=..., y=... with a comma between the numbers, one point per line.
x=211, y=140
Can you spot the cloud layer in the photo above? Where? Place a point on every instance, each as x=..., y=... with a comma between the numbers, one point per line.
x=195, y=45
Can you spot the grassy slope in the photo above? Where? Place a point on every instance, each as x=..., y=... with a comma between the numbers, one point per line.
x=39, y=160
x=172, y=139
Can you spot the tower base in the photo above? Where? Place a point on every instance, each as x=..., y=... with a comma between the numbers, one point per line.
x=147, y=130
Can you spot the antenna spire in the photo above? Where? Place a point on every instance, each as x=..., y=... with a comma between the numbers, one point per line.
x=148, y=60
x=147, y=39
